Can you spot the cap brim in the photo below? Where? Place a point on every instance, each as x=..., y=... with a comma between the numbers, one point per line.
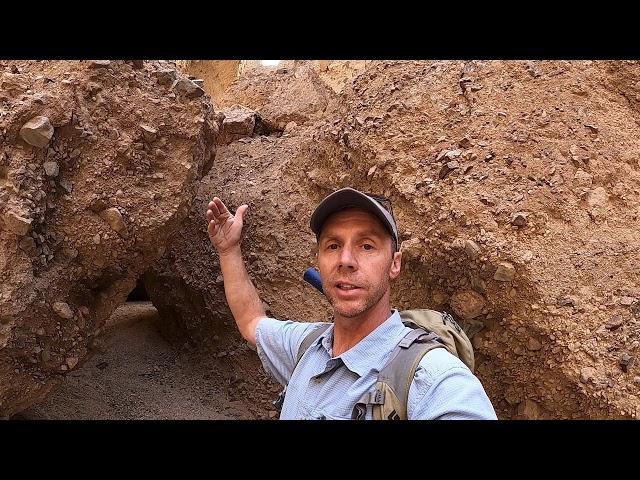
x=347, y=197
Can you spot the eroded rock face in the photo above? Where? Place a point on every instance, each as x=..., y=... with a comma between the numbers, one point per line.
x=288, y=94
x=99, y=162
x=187, y=282
x=187, y=286
x=537, y=217
x=519, y=132
x=216, y=75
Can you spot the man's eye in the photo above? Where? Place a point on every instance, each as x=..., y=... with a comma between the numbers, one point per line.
x=367, y=246
x=333, y=246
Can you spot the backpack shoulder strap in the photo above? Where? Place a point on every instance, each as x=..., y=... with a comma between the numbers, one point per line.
x=308, y=340
x=399, y=373
x=391, y=393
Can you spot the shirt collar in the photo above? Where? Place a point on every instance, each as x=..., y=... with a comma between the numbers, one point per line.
x=373, y=350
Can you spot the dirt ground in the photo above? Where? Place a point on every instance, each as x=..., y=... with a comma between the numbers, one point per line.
x=134, y=374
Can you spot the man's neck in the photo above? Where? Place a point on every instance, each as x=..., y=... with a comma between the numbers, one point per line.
x=347, y=332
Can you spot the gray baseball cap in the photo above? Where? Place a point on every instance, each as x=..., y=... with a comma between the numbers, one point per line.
x=348, y=197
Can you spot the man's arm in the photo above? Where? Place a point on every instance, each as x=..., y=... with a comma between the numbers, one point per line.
x=225, y=232
x=443, y=388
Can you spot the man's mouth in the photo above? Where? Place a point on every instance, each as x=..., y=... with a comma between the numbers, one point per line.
x=346, y=286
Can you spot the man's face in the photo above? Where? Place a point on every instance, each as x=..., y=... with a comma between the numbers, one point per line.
x=356, y=261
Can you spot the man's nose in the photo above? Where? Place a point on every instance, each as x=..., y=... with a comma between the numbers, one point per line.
x=347, y=259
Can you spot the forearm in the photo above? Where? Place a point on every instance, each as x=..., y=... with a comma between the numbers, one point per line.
x=242, y=297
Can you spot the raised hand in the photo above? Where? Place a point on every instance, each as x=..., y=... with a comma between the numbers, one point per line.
x=224, y=228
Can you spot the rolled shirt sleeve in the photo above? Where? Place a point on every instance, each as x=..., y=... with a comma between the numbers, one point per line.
x=277, y=344
x=444, y=388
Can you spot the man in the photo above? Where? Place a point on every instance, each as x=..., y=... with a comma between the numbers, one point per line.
x=358, y=258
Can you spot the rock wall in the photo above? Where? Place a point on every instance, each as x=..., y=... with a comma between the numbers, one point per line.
x=99, y=163
x=516, y=188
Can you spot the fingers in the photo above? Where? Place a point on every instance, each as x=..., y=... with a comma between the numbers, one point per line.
x=222, y=208
x=242, y=209
x=213, y=201
x=217, y=211
x=213, y=208
x=218, y=208
x=213, y=228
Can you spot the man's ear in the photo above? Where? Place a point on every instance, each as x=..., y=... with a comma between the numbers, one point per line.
x=396, y=264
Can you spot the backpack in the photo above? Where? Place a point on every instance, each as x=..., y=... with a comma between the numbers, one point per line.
x=430, y=329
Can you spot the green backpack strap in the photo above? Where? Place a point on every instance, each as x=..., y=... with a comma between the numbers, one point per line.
x=390, y=395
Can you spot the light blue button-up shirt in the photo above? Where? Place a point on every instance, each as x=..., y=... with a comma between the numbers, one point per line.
x=326, y=387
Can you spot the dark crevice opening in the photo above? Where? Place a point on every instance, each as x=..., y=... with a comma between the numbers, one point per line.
x=263, y=127
x=139, y=293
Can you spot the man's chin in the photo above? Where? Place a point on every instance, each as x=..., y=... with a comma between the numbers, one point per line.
x=348, y=311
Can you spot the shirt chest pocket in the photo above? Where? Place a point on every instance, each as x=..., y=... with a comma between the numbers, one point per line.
x=333, y=412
